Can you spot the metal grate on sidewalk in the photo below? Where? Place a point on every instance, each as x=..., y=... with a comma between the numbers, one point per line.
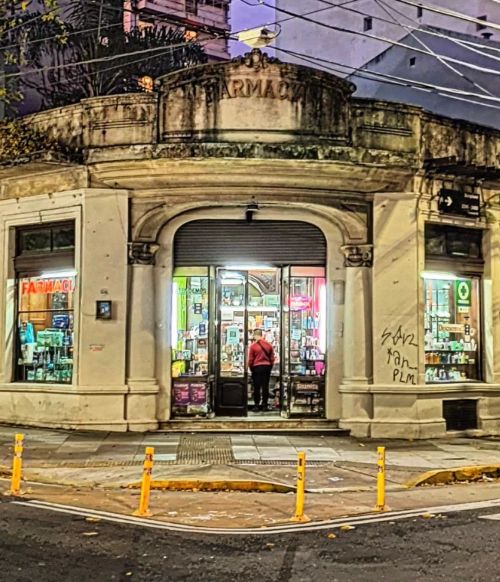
x=199, y=449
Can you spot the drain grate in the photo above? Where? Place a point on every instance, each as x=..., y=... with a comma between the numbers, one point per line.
x=199, y=449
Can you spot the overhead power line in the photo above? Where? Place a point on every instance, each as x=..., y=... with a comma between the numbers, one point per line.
x=163, y=19
x=396, y=79
x=389, y=79
x=451, y=13
x=455, y=71
x=381, y=39
x=423, y=29
x=66, y=35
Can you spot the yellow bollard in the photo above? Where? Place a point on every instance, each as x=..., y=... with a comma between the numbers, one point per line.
x=143, y=510
x=380, y=479
x=17, y=465
x=301, y=486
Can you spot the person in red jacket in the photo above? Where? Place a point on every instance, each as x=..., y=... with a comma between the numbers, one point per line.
x=260, y=362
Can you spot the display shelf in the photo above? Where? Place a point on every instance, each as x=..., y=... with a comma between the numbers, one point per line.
x=249, y=308
x=453, y=351
x=451, y=364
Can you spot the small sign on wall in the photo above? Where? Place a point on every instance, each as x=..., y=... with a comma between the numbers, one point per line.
x=103, y=309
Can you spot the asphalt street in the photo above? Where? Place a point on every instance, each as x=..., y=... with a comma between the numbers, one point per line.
x=37, y=544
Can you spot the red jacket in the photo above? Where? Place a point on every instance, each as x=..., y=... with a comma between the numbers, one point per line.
x=260, y=353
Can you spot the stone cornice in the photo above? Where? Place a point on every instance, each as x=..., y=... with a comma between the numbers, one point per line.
x=192, y=175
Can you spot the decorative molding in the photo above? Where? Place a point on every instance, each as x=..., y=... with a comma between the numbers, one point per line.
x=255, y=60
x=358, y=255
x=142, y=253
x=387, y=129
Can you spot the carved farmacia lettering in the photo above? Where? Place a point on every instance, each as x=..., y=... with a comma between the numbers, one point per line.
x=263, y=88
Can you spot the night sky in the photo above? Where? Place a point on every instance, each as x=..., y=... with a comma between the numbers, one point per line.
x=244, y=16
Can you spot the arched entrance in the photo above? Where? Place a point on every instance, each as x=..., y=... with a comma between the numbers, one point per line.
x=232, y=278
x=339, y=228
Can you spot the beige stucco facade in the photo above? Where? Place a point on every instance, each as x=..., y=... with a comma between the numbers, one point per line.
x=297, y=143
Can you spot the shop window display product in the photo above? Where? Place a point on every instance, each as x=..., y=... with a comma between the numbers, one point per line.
x=190, y=335
x=307, y=340
x=45, y=336
x=452, y=329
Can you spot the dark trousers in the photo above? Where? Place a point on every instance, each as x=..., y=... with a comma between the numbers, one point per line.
x=261, y=376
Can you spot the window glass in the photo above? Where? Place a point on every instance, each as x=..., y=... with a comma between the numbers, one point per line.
x=232, y=323
x=45, y=337
x=190, y=326
x=307, y=340
x=46, y=239
x=452, y=333
x=63, y=237
x=443, y=240
x=32, y=241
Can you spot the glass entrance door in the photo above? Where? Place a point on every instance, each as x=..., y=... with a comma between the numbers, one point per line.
x=247, y=300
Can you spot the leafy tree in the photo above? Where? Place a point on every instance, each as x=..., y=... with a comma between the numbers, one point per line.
x=100, y=58
x=20, y=143
x=22, y=26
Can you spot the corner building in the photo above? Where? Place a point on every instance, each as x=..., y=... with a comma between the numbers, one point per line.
x=360, y=236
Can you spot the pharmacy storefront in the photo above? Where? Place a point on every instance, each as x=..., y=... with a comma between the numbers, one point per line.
x=271, y=277
x=253, y=195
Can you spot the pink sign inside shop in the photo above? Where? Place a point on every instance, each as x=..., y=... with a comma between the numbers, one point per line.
x=300, y=302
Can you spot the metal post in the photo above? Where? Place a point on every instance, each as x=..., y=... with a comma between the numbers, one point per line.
x=301, y=486
x=17, y=465
x=380, y=479
x=143, y=510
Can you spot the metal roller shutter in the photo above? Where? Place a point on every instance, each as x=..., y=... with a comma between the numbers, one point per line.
x=225, y=242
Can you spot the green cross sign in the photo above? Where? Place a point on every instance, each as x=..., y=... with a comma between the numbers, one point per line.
x=463, y=292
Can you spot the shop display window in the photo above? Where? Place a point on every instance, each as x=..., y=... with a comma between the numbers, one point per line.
x=45, y=336
x=307, y=319
x=190, y=324
x=307, y=338
x=452, y=328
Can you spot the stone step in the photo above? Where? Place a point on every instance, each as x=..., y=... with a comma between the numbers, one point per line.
x=246, y=425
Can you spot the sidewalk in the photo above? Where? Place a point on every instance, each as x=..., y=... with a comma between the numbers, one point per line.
x=88, y=452
x=341, y=472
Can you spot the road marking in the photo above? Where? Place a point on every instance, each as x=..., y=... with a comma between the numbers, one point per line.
x=266, y=530
x=495, y=516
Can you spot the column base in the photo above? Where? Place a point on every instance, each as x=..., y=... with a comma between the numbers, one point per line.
x=141, y=404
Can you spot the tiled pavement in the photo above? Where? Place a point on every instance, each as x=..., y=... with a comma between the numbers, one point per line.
x=65, y=447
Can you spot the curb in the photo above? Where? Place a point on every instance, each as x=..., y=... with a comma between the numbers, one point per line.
x=216, y=485
x=458, y=474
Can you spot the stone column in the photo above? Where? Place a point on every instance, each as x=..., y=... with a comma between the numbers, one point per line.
x=358, y=374
x=357, y=315
x=141, y=380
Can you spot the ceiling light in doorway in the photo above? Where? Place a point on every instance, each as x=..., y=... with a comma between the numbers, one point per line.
x=249, y=268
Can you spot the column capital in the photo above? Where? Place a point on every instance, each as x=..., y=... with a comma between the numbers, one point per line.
x=358, y=255
x=142, y=253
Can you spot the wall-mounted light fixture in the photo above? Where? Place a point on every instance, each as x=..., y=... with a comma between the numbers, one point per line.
x=252, y=208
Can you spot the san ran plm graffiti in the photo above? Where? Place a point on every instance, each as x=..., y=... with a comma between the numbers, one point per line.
x=401, y=354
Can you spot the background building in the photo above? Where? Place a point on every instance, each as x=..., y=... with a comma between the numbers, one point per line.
x=402, y=51
x=206, y=20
